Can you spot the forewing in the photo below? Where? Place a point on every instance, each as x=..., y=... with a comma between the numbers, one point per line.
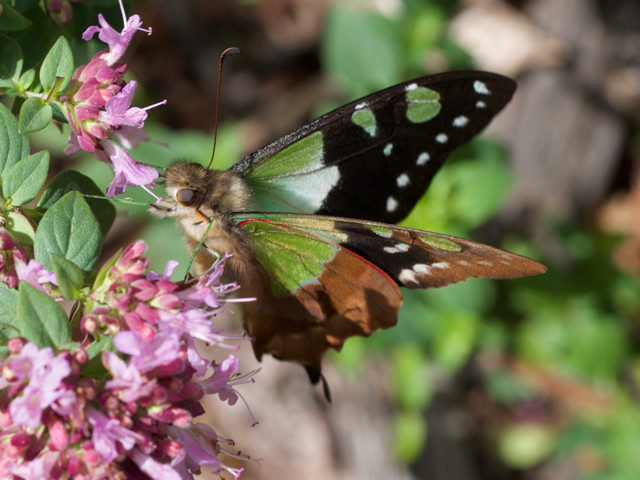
x=413, y=258
x=318, y=294
x=373, y=159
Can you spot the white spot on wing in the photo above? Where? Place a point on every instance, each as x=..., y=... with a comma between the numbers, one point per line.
x=423, y=158
x=387, y=149
x=403, y=180
x=408, y=276
x=440, y=265
x=361, y=105
x=421, y=268
x=481, y=88
x=401, y=247
x=442, y=138
x=392, y=204
x=481, y=104
x=410, y=87
x=460, y=121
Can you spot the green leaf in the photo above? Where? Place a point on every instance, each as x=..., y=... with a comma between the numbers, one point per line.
x=102, y=273
x=40, y=318
x=36, y=40
x=11, y=19
x=69, y=180
x=69, y=229
x=13, y=146
x=27, y=79
x=24, y=5
x=103, y=344
x=10, y=61
x=35, y=114
x=12, y=92
x=69, y=276
x=57, y=114
x=8, y=313
x=20, y=226
x=57, y=63
x=94, y=367
x=24, y=180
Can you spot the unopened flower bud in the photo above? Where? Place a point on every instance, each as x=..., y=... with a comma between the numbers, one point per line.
x=11, y=252
x=60, y=11
x=15, y=345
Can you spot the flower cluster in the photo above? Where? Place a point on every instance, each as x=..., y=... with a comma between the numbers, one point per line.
x=98, y=108
x=137, y=415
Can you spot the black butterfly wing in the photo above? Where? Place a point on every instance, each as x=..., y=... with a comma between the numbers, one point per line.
x=373, y=158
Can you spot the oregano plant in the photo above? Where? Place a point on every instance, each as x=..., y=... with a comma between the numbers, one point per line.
x=101, y=375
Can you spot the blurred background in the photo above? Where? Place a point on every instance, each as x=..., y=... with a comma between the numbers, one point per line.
x=536, y=378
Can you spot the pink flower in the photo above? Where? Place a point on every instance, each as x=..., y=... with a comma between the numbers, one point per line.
x=219, y=381
x=127, y=171
x=154, y=469
x=147, y=355
x=202, y=447
x=35, y=275
x=128, y=381
x=118, y=110
x=30, y=362
x=107, y=433
x=168, y=271
x=130, y=137
x=34, y=470
x=98, y=108
x=118, y=42
x=43, y=389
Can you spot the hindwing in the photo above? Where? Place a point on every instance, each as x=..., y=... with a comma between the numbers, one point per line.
x=317, y=294
x=332, y=278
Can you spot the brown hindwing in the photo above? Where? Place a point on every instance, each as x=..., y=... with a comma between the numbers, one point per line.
x=351, y=297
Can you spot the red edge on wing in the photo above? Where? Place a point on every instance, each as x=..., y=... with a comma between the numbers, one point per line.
x=362, y=259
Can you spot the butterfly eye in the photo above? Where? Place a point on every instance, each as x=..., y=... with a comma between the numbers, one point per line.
x=186, y=197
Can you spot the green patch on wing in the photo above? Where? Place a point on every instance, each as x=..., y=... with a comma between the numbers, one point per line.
x=382, y=231
x=303, y=156
x=366, y=119
x=292, y=258
x=422, y=104
x=294, y=180
x=439, y=242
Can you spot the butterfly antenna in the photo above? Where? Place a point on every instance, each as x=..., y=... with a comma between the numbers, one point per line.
x=225, y=54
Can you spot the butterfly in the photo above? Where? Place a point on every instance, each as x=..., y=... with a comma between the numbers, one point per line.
x=309, y=219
